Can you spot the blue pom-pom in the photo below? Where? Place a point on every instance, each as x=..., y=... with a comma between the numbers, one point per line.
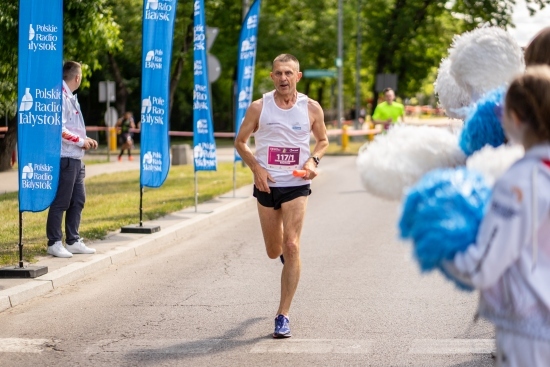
x=483, y=125
x=442, y=213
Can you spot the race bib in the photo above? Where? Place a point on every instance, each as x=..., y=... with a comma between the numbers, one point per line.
x=283, y=158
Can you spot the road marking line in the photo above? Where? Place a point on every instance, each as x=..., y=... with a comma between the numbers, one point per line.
x=452, y=346
x=158, y=346
x=19, y=345
x=314, y=346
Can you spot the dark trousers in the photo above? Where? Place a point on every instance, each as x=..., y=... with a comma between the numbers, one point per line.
x=70, y=198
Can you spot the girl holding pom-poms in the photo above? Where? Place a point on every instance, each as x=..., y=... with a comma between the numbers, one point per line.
x=510, y=259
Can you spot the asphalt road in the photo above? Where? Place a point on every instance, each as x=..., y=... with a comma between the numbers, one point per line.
x=210, y=301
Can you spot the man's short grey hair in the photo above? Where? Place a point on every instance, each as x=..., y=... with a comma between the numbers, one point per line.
x=287, y=58
x=71, y=69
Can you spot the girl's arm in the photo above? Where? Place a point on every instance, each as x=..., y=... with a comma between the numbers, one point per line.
x=501, y=236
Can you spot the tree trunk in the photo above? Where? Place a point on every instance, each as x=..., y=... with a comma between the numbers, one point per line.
x=176, y=75
x=387, y=49
x=121, y=90
x=306, y=89
x=7, y=145
x=394, y=39
x=320, y=92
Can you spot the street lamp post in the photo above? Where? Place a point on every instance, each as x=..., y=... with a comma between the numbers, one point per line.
x=339, y=65
x=358, y=68
x=246, y=6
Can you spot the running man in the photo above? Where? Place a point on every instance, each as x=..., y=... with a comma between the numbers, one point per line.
x=282, y=122
x=388, y=112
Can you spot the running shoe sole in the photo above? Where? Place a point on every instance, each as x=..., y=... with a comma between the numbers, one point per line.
x=281, y=336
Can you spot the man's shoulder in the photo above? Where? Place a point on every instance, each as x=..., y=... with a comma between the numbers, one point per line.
x=256, y=106
x=258, y=102
x=315, y=110
x=382, y=105
x=313, y=104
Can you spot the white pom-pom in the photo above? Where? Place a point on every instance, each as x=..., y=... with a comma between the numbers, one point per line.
x=484, y=59
x=397, y=160
x=451, y=96
x=493, y=162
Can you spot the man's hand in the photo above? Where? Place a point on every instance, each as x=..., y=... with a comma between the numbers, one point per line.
x=89, y=144
x=310, y=168
x=93, y=143
x=261, y=176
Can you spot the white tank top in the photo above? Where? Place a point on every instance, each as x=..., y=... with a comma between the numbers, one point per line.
x=282, y=140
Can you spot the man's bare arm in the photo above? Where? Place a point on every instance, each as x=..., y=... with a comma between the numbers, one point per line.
x=319, y=131
x=249, y=125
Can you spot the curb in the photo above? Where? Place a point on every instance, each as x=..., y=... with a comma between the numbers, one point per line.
x=186, y=229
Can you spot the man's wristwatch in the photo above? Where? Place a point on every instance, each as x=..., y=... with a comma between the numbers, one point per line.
x=315, y=159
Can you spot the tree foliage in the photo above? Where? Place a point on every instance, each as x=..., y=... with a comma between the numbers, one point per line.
x=409, y=37
x=8, y=56
x=405, y=37
x=81, y=43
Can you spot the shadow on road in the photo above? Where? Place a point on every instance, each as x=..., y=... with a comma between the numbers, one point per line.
x=197, y=348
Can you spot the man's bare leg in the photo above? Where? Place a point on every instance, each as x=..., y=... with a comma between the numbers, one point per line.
x=281, y=229
x=271, y=221
x=293, y=213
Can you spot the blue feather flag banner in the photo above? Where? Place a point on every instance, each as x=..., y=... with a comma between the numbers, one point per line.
x=40, y=81
x=483, y=125
x=442, y=213
x=246, y=64
x=204, y=145
x=158, y=29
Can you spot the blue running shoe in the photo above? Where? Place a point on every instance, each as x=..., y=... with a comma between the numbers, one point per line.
x=282, y=327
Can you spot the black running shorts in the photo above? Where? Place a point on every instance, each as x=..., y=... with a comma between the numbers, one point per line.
x=279, y=195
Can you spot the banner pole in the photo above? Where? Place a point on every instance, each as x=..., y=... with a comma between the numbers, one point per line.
x=148, y=229
x=197, y=197
x=108, y=123
x=31, y=271
x=20, y=239
x=234, y=178
x=196, y=192
x=141, y=206
x=234, y=185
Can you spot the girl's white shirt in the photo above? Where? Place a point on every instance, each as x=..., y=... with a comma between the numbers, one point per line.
x=510, y=261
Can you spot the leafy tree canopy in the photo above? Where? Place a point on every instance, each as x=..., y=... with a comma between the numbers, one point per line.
x=405, y=37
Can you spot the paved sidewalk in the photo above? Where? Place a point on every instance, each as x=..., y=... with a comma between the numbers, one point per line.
x=119, y=247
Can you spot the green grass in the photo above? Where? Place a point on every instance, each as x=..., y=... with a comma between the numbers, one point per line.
x=95, y=161
x=220, y=142
x=112, y=201
x=352, y=149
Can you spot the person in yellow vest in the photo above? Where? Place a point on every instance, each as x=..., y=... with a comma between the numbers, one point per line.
x=388, y=112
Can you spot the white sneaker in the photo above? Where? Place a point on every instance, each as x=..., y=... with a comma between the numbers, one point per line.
x=58, y=250
x=80, y=248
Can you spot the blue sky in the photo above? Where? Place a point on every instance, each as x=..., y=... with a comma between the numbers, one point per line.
x=526, y=26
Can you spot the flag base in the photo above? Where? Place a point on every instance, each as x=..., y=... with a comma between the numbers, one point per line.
x=29, y=271
x=140, y=229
